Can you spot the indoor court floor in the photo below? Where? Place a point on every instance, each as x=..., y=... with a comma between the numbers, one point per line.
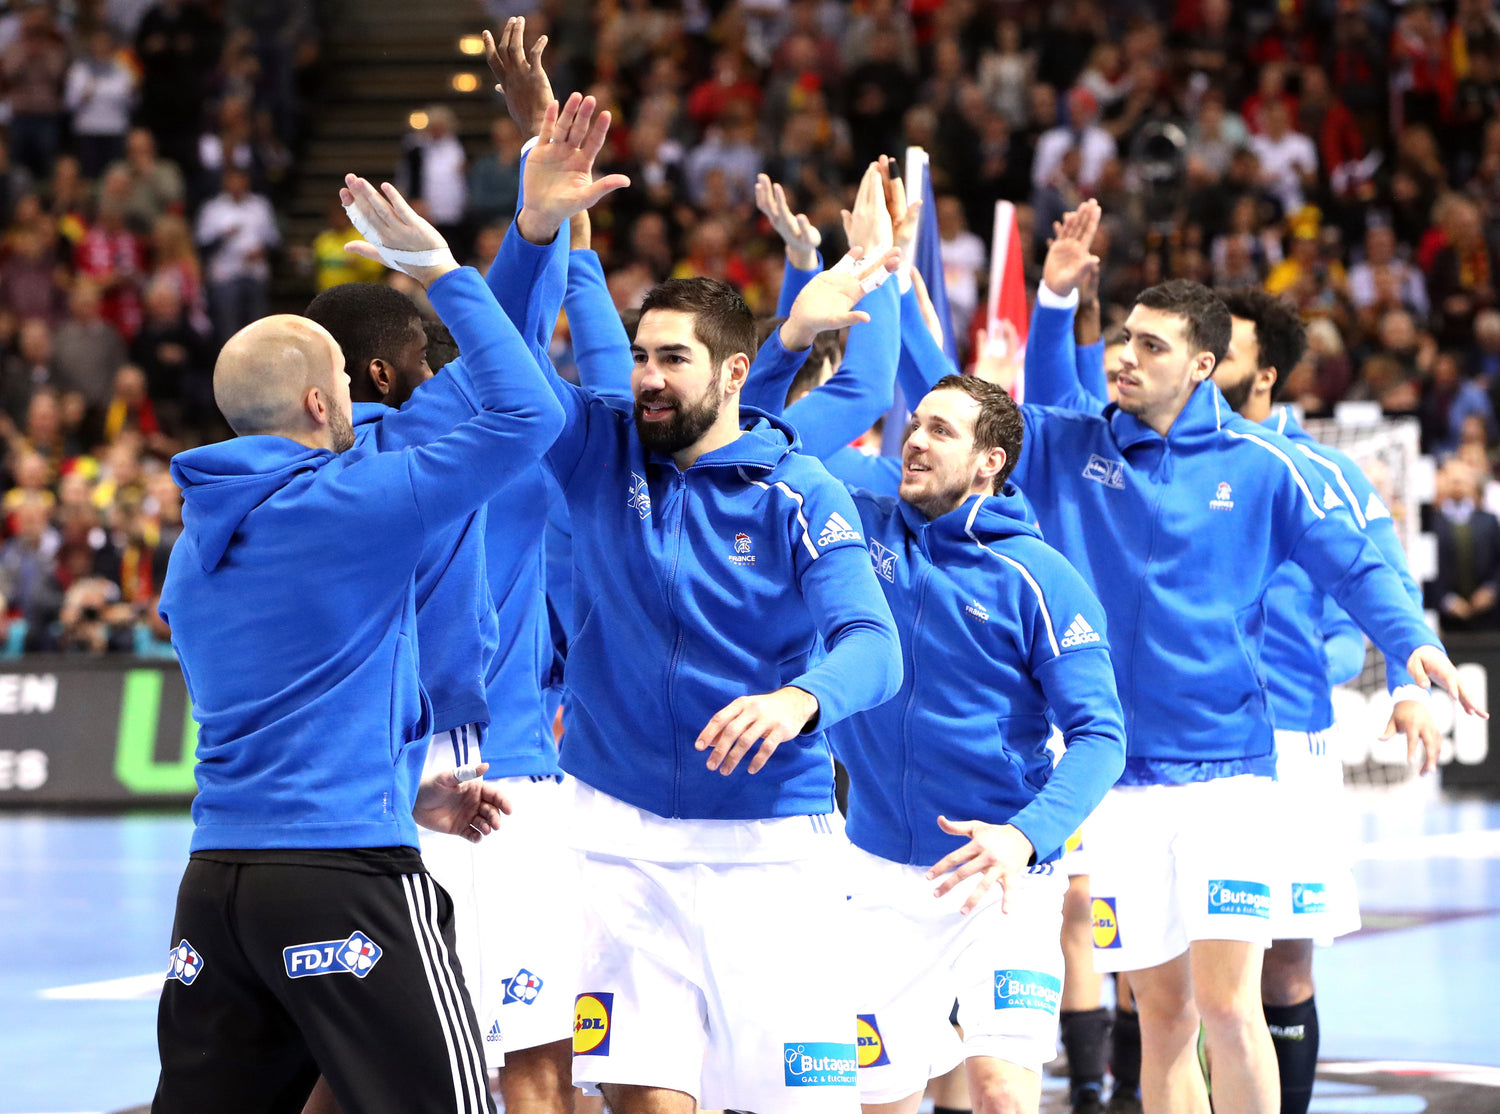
x=1410, y=1007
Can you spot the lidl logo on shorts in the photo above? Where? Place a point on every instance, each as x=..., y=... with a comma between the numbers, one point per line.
x=522, y=987
x=871, y=1045
x=1106, y=923
x=591, y=1024
x=184, y=963
x=1309, y=897
x=356, y=956
x=1027, y=990
x=820, y=1064
x=1244, y=899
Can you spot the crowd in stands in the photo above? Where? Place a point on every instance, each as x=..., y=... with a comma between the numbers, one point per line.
x=1344, y=154
x=145, y=143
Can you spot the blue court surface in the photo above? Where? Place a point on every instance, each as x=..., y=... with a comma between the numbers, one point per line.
x=1410, y=1007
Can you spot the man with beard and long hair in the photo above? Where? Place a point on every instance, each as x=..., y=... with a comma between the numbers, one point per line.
x=725, y=615
x=308, y=936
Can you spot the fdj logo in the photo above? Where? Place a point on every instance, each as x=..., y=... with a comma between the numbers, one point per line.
x=184, y=964
x=820, y=1064
x=871, y=1045
x=356, y=956
x=522, y=987
x=1309, y=897
x=1244, y=899
x=591, y=1024
x=1106, y=923
x=1027, y=990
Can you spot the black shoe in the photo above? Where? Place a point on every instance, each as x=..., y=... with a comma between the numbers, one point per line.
x=1123, y=1103
x=1088, y=1103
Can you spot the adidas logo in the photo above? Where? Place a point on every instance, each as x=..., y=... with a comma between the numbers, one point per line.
x=836, y=529
x=494, y=1033
x=1330, y=499
x=1079, y=633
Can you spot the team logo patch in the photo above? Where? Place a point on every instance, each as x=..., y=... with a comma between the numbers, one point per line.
x=1374, y=508
x=1079, y=633
x=1027, y=990
x=591, y=1024
x=820, y=1064
x=1223, y=499
x=184, y=963
x=837, y=529
x=884, y=561
x=522, y=987
x=976, y=610
x=1110, y=473
x=355, y=956
x=742, y=555
x=1106, y=923
x=871, y=1045
x=640, y=495
x=494, y=1036
x=1243, y=899
x=1331, y=501
x=1309, y=897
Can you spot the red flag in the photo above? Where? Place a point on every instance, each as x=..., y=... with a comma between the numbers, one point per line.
x=1007, y=317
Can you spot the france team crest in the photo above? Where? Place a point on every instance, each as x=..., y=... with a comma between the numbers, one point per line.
x=184, y=963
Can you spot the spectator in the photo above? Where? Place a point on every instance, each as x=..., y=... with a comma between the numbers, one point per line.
x=1381, y=260
x=24, y=372
x=26, y=557
x=177, y=44
x=32, y=69
x=1288, y=159
x=15, y=183
x=433, y=172
x=1216, y=134
x=964, y=261
x=1464, y=272
x=174, y=358
x=156, y=186
x=334, y=265
x=30, y=282
x=112, y=256
x=130, y=409
x=87, y=349
x=175, y=261
x=99, y=93
x=1270, y=89
x=228, y=145
x=1468, y=540
x=729, y=150
x=237, y=231
x=1095, y=146
x=495, y=177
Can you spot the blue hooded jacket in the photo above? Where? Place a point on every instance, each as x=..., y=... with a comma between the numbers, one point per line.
x=298, y=636
x=1001, y=640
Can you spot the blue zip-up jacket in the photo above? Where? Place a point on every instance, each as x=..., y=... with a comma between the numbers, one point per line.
x=456, y=628
x=694, y=588
x=1310, y=643
x=1001, y=639
x=1180, y=537
x=298, y=636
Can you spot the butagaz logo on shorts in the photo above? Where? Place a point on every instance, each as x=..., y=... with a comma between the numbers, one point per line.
x=523, y=987
x=1079, y=633
x=1110, y=473
x=742, y=554
x=355, y=956
x=640, y=495
x=976, y=609
x=1309, y=897
x=837, y=530
x=884, y=561
x=1245, y=899
x=1027, y=990
x=1223, y=499
x=184, y=963
x=820, y=1064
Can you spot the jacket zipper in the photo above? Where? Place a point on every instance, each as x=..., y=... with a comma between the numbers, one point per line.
x=906, y=760
x=1140, y=601
x=676, y=502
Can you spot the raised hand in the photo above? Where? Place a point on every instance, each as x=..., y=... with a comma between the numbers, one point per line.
x=559, y=178
x=827, y=302
x=998, y=358
x=798, y=233
x=519, y=75
x=394, y=233
x=869, y=225
x=1069, y=262
x=905, y=218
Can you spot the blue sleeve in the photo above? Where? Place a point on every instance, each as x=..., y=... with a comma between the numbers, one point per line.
x=1051, y=368
x=862, y=666
x=862, y=389
x=461, y=471
x=600, y=346
x=434, y=409
x=1079, y=684
x=1343, y=643
x=1089, y=359
x=793, y=279
x=771, y=375
x=529, y=281
x=923, y=361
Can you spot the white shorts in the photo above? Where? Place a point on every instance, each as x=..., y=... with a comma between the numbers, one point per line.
x=517, y=916
x=1170, y=864
x=728, y=981
x=1075, y=856
x=915, y=954
x=1315, y=896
